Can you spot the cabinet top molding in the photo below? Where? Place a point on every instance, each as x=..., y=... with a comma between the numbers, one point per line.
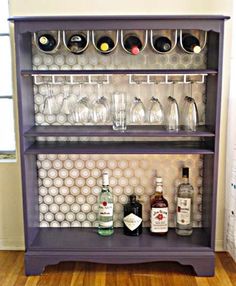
x=118, y=17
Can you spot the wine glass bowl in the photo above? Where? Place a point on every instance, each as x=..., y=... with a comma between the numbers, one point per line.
x=190, y=114
x=172, y=114
x=155, y=112
x=137, y=111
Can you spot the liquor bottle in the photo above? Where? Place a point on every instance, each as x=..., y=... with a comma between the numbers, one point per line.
x=46, y=42
x=191, y=43
x=162, y=44
x=105, y=213
x=105, y=44
x=133, y=44
x=184, y=206
x=159, y=210
x=77, y=43
x=133, y=217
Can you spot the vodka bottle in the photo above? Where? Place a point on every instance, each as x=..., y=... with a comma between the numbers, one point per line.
x=184, y=206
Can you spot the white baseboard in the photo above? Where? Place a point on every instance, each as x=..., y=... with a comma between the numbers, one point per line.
x=12, y=244
x=219, y=245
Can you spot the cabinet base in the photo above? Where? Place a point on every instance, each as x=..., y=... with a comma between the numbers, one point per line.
x=202, y=262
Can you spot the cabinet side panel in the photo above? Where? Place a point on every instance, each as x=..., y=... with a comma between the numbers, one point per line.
x=31, y=209
x=26, y=120
x=207, y=196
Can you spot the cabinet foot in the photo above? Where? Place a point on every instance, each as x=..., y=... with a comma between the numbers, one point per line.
x=34, y=265
x=204, y=268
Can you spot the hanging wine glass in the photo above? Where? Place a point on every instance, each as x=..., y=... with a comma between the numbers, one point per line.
x=81, y=111
x=155, y=111
x=190, y=112
x=66, y=105
x=137, y=111
x=51, y=104
x=172, y=112
x=100, y=107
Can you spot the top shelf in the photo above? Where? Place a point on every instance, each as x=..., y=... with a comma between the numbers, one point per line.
x=121, y=71
x=107, y=18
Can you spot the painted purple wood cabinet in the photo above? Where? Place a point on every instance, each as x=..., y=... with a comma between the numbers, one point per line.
x=45, y=246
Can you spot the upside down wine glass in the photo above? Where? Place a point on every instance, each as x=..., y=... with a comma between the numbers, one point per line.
x=172, y=123
x=190, y=112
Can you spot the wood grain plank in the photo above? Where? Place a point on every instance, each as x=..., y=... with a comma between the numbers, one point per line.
x=87, y=274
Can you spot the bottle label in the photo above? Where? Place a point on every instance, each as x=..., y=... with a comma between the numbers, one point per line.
x=132, y=221
x=106, y=223
x=159, y=220
x=183, y=210
x=105, y=209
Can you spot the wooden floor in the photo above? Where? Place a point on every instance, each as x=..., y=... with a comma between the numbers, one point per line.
x=89, y=274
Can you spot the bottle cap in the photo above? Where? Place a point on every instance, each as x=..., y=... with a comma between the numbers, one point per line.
x=197, y=49
x=104, y=47
x=132, y=198
x=159, y=180
x=43, y=40
x=105, y=179
x=185, y=172
x=166, y=47
x=135, y=50
x=76, y=38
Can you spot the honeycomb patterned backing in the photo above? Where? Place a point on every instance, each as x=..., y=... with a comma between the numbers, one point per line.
x=69, y=185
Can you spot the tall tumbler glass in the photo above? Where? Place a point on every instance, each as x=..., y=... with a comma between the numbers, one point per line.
x=119, y=108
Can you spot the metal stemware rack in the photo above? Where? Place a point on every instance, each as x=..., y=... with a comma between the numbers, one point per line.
x=92, y=79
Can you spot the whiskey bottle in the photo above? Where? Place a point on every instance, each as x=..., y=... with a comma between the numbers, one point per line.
x=133, y=217
x=105, y=212
x=184, y=206
x=159, y=210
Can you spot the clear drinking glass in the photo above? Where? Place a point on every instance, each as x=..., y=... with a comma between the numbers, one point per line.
x=172, y=117
x=119, y=106
x=155, y=112
x=100, y=108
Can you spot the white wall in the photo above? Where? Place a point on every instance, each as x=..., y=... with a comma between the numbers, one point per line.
x=11, y=230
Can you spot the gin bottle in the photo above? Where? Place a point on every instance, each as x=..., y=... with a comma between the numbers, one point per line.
x=133, y=217
x=105, y=212
x=184, y=211
x=159, y=210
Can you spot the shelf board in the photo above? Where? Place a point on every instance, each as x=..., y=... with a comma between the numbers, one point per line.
x=107, y=131
x=131, y=147
x=119, y=71
x=87, y=240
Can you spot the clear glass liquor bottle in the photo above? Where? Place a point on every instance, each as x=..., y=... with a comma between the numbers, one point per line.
x=184, y=206
x=105, y=213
